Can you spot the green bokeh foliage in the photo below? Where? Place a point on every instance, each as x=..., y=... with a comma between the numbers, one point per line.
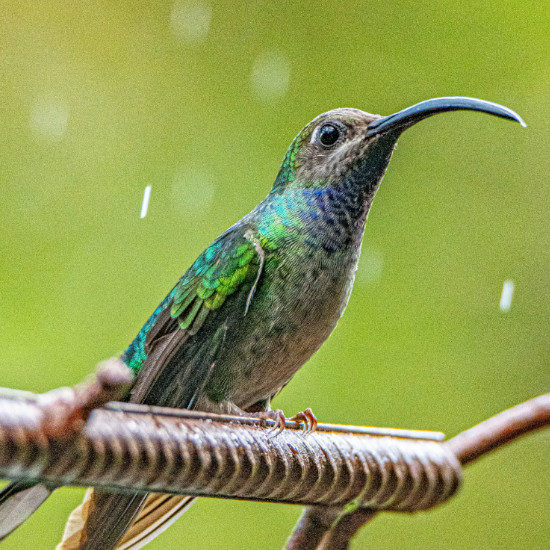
x=100, y=99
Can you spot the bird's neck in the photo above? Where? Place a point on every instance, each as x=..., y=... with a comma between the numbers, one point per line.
x=331, y=217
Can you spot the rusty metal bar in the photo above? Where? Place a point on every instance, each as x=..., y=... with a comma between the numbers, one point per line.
x=169, y=452
x=501, y=429
x=252, y=420
x=345, y=474
x=324, y=528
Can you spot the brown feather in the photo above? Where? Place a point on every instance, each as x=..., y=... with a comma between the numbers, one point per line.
x=74, y=528
x=163, y=350
x=158, y=513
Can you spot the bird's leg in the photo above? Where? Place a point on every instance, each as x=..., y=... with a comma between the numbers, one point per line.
x=262, y=410
x=277, y=416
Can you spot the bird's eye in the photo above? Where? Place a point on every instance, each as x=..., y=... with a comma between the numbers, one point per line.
x=328, y=134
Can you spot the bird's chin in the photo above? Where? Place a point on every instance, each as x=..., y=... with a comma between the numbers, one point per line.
x=377, y=156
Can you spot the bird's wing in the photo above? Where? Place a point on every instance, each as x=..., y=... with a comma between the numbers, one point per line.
x=206, y=304
x=18, y=501
x=179, y=349
x=157, y=513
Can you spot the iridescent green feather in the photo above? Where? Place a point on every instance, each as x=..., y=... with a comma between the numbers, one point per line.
x=225, y=266
x=218, y=272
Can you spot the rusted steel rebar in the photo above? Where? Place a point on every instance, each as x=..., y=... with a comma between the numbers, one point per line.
x=345, y=474
x=324, y=528
x=501, y=428
x=184, y=453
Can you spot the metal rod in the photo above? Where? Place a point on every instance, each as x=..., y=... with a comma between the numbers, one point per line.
x=290, y=424
x=428, y=435
x=121, y=450
x=64, y=437
x=322, y=528
x=501, y=428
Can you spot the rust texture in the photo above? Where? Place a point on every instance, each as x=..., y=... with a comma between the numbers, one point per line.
x=501, y=428
x=118, y=449
x=321, y=528
x=345, y=474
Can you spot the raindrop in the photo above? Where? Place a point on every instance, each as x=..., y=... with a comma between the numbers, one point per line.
x=190, y=21
x=192, y=191
x=506, y=296
x=145, y=202
x=270, y=76
x=49, y=119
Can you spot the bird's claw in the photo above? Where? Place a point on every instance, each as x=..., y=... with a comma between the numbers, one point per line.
x=308, y=419
x=277, y=417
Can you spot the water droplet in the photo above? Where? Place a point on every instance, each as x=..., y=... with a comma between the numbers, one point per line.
x=145, y=202
x=48, y=119
x=192, y=191
x=370, y=266
x=190, y=21
x=506, y=296
x=270, y=76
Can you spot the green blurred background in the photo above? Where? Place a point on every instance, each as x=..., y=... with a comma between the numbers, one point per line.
x=200, y=99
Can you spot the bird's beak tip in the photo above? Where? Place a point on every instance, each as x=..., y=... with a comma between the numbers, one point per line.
x=406, y=118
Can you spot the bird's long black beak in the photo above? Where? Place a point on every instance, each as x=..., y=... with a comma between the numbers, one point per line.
x=400, y=121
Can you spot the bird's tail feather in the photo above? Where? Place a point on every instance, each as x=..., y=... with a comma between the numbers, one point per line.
x=74, y=527
x=18, y=501
x=157, y=512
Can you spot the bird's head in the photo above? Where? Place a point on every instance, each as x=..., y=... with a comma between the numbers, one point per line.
x=349, y=147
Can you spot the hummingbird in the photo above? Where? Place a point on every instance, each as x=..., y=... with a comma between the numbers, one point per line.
x=255, y=305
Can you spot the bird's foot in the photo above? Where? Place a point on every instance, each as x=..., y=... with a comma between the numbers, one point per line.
x=276, y=422
x=277, y=416
x=308, y=419
x=279, y=422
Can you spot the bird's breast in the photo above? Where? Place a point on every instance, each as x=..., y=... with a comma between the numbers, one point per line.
x=296, y=306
